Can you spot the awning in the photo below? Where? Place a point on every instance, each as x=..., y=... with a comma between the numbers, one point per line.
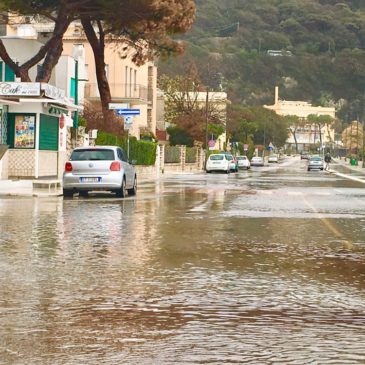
x=54, y=102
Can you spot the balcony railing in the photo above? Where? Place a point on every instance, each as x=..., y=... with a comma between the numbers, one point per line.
x=122, y=92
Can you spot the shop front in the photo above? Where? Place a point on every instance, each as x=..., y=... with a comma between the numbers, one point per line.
x=35, y=129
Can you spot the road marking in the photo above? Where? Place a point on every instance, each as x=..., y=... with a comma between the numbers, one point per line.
x=295, y=193
x=347, y=176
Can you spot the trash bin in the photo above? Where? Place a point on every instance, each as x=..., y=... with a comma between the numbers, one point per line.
x=353, y=162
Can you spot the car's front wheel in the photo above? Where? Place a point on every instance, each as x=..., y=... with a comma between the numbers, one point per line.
x=68, y=193
x=122, y=191
x=133, y=191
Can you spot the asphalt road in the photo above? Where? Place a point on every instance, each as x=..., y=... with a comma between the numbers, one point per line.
x=265, y=266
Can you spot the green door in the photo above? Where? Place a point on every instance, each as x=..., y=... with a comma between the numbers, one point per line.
x=48, y=133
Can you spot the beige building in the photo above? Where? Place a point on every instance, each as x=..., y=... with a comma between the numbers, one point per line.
x=133, y=85
x=309, y=134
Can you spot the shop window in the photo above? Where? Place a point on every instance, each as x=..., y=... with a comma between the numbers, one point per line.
x=21, y=130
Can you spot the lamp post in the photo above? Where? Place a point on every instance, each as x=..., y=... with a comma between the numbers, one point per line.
x=77, y=52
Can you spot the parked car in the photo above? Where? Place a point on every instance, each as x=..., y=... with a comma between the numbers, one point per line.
x=99, y=168
x=304, y=155
x=257, y=161
x=273, y=158
x=315, y=162
x=218, y=162
x=243, y=162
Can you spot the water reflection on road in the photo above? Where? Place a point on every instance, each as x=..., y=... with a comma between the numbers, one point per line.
x=262, y=267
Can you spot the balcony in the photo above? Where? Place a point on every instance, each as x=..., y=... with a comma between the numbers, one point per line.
x=120, y=92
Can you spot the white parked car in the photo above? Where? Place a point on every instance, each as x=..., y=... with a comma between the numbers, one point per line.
x=243, y=162
x=257, y=161
x=218, y=162
x=273, y=158
x=99, y=168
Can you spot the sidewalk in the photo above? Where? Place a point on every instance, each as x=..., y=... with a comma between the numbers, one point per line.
x=24, y=188
x=342, y=168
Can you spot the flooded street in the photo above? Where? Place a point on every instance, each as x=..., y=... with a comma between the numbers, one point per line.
x=266, y=266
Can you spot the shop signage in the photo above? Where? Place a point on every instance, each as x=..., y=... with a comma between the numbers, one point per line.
x=53, y=92
x=20, y=89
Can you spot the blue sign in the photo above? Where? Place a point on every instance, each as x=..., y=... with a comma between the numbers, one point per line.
x=122, y=112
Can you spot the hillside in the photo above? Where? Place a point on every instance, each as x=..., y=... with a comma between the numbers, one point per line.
x=323, y=43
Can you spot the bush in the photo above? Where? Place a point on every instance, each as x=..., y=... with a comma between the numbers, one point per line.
x=143, y=152
x=172, y=154
x=190, y=156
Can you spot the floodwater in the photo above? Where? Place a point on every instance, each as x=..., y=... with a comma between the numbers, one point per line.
x=260, y=267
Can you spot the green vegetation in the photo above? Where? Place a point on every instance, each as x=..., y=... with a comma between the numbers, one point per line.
x=143, y=152
x=323, y=44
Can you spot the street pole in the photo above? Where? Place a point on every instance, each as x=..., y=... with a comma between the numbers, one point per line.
x=206, y=123
x=76, y=113
x=363, y=143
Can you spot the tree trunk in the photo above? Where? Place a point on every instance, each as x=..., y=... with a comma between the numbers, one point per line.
x=295, y=140
x=54, y=47
x=111, y=123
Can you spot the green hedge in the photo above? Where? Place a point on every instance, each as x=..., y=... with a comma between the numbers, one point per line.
x=190, y=156
x=172, y=154
x=143, y=152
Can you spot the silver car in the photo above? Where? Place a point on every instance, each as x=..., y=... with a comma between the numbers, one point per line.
x=257, y=161
x=315, y=162
x=99, y=168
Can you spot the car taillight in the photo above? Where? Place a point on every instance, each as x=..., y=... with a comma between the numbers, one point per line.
x=115, y=166
x=68, y=166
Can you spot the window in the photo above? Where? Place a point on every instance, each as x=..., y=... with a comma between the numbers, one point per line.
x=24, y=131
x=92, y=155
x=9, y=74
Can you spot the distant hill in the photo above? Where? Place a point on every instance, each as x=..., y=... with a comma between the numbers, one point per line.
x=313, y=50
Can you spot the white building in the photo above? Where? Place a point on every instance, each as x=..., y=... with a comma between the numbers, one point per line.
x=309, y=134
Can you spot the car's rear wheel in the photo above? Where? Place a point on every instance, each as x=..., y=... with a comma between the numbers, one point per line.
x=133, y=191
x=308, y=169
x=122, y=191
x=68, y=193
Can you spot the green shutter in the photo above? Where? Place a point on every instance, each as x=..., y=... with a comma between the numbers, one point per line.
x=72, y=88
x=9, y=74
x=11, y=130
x=48, y=133
x=1, y=71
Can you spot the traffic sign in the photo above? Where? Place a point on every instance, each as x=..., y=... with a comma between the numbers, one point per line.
x=114, y=106
x=128, y=122
x=245, y=147
x=123, y=112
x=211, y=143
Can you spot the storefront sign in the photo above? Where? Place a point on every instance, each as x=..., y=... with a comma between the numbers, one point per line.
x=20, y=89
x=24, y=131
x=53, y=92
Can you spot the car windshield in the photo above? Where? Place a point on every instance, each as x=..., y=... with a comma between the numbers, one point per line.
x=316, y=159
x=256, y=158
x=216, y=157
x=229, y=157
x=92, y=155
x=241, y=158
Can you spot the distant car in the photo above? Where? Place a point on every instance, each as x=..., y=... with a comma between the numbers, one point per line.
x=304, y=155
x=99, y=168
x=257, y=161
x=218, y=162
x=273, y=158
x=243, y=162
x=315, y=162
